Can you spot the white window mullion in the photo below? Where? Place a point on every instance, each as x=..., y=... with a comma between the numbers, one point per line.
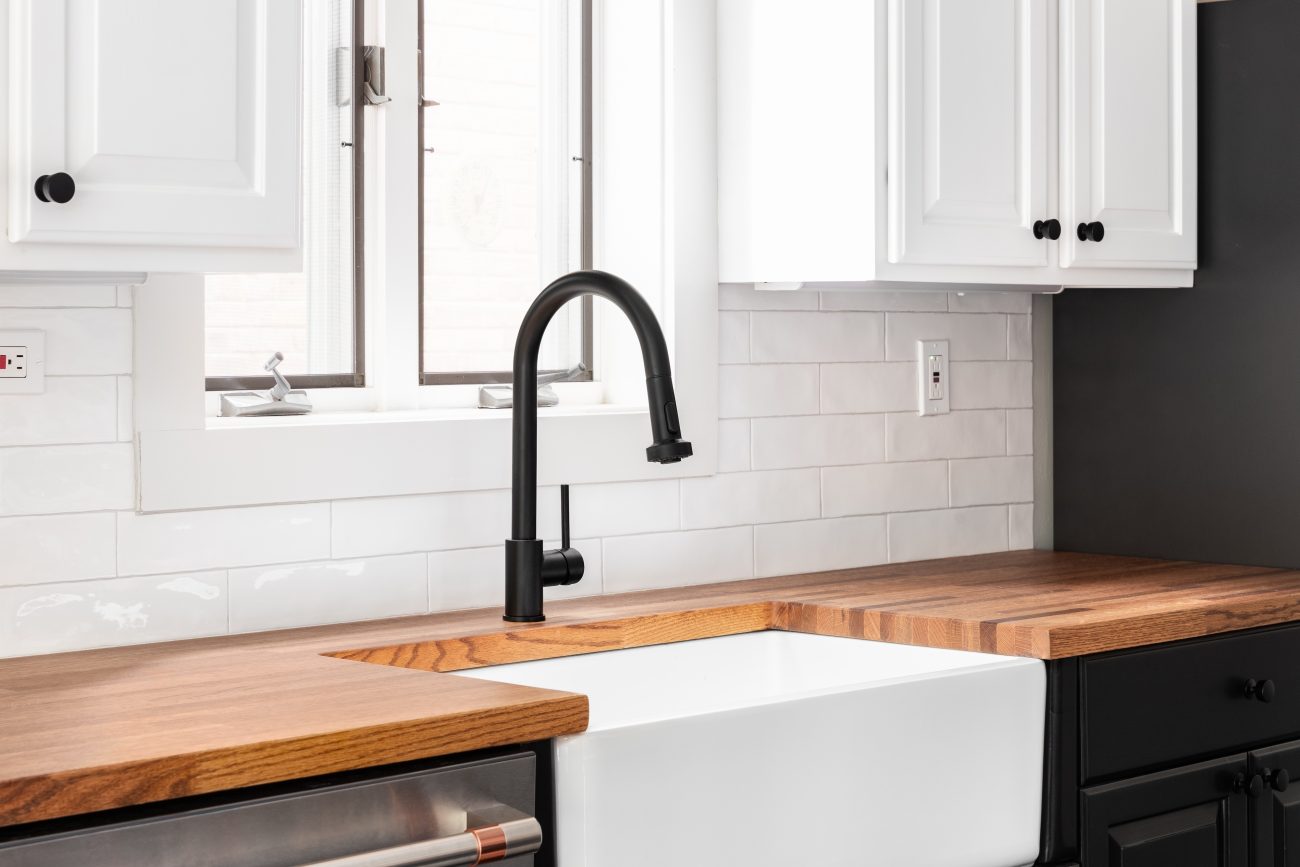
x=394, y=234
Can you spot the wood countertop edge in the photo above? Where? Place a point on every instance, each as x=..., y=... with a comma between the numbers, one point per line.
x=1045, y=605
x=102, y=787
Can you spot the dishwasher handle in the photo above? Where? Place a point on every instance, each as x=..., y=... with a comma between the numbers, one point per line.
x=477, y=846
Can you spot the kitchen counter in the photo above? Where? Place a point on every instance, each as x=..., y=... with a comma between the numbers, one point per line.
x=109, y=728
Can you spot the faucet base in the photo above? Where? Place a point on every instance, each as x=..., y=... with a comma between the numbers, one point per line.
x=536, y=618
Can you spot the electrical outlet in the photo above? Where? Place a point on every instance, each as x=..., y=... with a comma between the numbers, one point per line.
x=935, y=390
x=22, y=362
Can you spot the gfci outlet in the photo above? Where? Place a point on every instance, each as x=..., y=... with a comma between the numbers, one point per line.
x=932, y=356
x=22, y=362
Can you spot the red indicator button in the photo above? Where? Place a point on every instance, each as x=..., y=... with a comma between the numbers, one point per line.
x=4, y=361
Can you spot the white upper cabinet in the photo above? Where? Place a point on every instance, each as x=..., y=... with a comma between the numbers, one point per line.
x=1128, y=132
x=967, y=131
x=172, y=124
x=921, y=142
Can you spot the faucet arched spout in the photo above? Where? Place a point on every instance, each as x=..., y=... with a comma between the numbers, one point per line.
x=528, y=567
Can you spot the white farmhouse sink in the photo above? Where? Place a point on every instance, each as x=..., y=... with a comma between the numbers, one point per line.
x=777, y=748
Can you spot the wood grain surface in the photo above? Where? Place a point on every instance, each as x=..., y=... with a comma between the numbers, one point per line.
x=88, y=731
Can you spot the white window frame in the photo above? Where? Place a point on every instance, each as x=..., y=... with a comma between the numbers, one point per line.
x=655, y=183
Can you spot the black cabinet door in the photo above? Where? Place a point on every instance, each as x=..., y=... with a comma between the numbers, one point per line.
x=1275, y=815
x=1188, y=817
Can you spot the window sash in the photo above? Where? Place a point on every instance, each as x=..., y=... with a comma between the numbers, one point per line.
x=356, y=378
x=585, y=218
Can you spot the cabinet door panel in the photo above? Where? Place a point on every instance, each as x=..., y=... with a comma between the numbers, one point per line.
x=178, y=121
x=968, y=131
x=1275, y=821
x=1190, y=816
x=1128, y=132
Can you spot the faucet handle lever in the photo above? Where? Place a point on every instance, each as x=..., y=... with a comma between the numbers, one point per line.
x=564, y=516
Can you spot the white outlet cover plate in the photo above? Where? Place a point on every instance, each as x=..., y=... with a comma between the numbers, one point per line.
x=925, y=350
x=34, y=381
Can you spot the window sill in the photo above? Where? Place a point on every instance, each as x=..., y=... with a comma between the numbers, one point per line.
x=232, y=462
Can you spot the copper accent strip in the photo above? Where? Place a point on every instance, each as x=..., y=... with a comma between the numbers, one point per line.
x=492, y=844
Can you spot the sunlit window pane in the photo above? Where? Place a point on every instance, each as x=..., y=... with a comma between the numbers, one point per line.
x=499, y=179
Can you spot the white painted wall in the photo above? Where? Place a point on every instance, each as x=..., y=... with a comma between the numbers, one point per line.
x=824, y=465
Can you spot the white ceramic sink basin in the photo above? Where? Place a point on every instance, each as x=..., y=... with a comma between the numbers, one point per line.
x=777, y=748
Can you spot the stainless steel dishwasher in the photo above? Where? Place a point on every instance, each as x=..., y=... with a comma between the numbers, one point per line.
x=476, y=812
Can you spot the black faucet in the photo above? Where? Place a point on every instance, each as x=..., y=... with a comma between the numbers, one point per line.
x=528, y=567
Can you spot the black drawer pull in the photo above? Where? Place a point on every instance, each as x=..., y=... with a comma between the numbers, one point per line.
x=58, y=188
x=1252, y=785
x=1278, y=779
x=1049, y=229
x=1263, y=690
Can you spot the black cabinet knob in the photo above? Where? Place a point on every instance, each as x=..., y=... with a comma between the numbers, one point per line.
x=58, y=187
x=1050, y=229
x=1252, y=785
x=1262, y=690
x=1278, y=779
x=1091, y=231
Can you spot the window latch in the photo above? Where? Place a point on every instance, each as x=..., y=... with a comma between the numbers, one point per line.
x=373, y=90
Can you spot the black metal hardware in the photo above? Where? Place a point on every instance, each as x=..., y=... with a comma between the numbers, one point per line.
x=1261, y=690
x=528, y=567
x=1279, y=780
x=1252, y=785
x=58, y=187
x=1091, y=231
x=1049, y=229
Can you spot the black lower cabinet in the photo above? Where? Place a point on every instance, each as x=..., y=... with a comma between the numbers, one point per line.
x=1194, y=816
x=1184, y=754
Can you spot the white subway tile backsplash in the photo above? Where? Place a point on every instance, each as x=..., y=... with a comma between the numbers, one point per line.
x=733, y=337
x=678, y=559
x=877, y=387
x=73, y=409
x=804, y=337
x=818, y=546
x=79, y=342
x=971, y=337
x=817, y=440
x=885, y=301
x=971, y=434
x=46, y=480
x=335, y=591
x=42, y=295
x=733, y=445
x=190, y=541
x=1021, y=531
x=1020, y=338
x=475, y=577
x=754, y=390
x=991, y=384
x=54, y=618
x=624, y=508
x=395, y=525
x=750, y=498
x=985, y=481
x=743, y=296
x=875, y=489
x=1020, y=432
x=949, y=533
x=824, y=465
x=39, y=550
x=989, y=302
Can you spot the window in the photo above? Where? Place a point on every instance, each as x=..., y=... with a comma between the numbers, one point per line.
x=502, y=143
x=316, y=316
x=504, y=175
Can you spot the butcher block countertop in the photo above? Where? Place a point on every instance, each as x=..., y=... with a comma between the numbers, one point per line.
x=88, y=731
